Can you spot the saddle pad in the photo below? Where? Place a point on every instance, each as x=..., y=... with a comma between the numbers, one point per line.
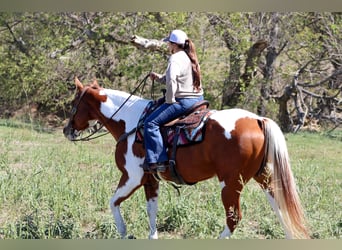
x=191, y=131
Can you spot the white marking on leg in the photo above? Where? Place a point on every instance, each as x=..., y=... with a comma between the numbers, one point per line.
x=277, y=211
x=121, y=192
x=152, y=210
x=119, y=221
x=226, y=233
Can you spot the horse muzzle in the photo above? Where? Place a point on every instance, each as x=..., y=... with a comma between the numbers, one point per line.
x=70, y=133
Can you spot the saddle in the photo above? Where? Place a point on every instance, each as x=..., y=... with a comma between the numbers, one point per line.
x=187, y=129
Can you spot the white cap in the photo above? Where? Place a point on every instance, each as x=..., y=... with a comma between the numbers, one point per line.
x=176, y=36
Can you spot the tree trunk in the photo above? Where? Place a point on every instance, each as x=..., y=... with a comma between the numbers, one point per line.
x=286, y=123
x=232, y=86
x=236, y=83
x=268, y=70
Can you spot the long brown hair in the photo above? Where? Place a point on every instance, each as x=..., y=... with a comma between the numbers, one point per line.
x=190, y=50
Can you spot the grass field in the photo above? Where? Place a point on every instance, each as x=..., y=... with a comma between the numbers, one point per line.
x=52, y=188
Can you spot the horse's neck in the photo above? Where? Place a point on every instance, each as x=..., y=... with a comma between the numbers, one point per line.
x=124, y=107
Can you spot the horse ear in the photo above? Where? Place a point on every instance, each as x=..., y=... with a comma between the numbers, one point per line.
x=96, y=83
x=78, y=84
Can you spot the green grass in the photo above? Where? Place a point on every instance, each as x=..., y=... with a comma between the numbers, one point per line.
x=52, y=188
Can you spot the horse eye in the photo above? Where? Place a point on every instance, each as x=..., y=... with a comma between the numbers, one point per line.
x=73, y=110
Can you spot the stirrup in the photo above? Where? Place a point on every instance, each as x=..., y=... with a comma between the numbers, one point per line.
x=153, y=168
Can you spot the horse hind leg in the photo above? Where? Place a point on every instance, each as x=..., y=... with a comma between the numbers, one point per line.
x=231, y=200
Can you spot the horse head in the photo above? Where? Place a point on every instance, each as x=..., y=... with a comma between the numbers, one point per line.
x=82, y=116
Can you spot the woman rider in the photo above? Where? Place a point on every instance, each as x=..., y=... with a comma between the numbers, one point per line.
x=183, y=90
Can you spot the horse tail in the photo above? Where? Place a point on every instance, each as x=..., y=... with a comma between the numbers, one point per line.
x=283, y=184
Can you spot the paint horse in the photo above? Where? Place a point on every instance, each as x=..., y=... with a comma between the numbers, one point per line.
x=238, y=146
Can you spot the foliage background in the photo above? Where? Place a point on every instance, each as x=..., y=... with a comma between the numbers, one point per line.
x=41, y=53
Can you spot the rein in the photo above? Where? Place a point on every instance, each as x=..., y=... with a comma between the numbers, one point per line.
x=91, y=136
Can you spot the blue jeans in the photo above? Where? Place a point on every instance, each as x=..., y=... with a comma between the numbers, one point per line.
x=154, y=145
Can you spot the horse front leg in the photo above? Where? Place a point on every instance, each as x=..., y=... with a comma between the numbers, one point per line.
x=119, y=221
x=125, y=189
x=151, y=188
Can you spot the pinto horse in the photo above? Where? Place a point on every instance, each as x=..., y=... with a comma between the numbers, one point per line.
x=237, y=147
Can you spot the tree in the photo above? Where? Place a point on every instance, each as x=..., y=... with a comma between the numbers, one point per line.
x=283, y=65
x=277, y=39
x=316, y=56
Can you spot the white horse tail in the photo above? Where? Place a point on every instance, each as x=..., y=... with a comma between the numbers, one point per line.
x=283, y=184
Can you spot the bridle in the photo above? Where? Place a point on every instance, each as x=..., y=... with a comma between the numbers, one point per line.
x=91, y=136
x=74, y=108
x=73, y=113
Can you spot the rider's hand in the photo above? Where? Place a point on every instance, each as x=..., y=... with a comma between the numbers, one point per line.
x=154, y=76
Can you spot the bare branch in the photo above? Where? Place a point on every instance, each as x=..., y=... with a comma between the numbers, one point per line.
x=148, y=44
x=323, y=96
x=17, y=41
x=338, y=72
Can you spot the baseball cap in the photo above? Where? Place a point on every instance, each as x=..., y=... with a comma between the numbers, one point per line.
x=176, y=36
